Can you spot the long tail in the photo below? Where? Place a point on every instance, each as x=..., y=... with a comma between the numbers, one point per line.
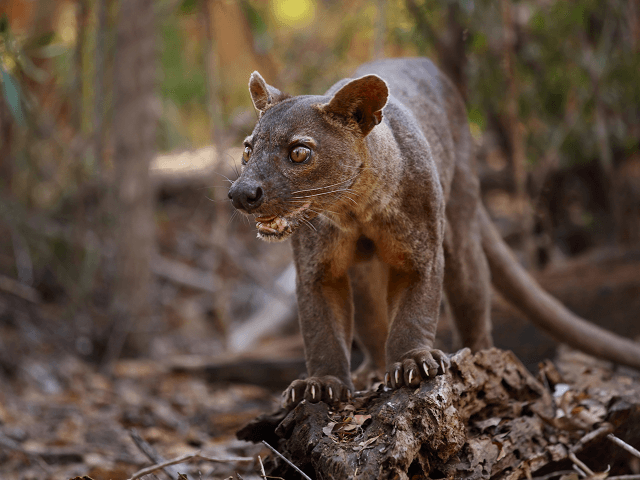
x=519, y=288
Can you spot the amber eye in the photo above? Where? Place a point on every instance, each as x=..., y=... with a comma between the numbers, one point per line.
x=300, y=154
x=246, y=154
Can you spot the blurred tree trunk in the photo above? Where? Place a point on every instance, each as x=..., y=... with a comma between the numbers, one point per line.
x=449, y=45
x=518, y=157
x=219, y=231
x=99, y=83
x=6, y=137
x=380, y=29
x=213, y=78
x=134, y=127
x=82, y=16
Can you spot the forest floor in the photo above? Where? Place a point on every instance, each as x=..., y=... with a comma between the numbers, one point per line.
x=62, y=415
x=61, y=418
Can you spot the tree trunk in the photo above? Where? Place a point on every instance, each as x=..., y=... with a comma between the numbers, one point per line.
x=518, y=158
x=99, y=85
x=135, y=119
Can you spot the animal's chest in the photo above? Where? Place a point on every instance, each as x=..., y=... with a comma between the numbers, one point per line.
x=387, y=247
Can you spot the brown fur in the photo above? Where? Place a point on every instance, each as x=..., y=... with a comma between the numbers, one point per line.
x=384, y=214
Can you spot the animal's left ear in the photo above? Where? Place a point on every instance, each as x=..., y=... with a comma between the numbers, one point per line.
x=360, y=101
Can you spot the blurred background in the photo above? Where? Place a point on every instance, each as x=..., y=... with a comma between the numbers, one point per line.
x=120, y=124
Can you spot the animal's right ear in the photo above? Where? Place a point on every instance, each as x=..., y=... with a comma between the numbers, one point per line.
x=264, y=95
x=360, y=102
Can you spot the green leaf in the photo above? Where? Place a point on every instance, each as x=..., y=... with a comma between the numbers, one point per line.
x=11, y=90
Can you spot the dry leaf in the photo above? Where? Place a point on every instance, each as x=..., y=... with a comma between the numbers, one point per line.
x=360, y=419
x=328, y=430
x=489, y=422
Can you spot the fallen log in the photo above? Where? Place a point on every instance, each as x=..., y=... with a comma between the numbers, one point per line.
x=487, y=418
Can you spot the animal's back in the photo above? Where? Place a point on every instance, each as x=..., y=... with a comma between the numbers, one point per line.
x=435, y=106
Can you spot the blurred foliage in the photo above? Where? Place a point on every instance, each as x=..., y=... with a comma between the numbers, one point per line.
x=569, y=57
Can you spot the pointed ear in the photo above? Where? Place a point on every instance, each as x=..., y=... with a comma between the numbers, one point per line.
x=262, y=94
x=360, y=102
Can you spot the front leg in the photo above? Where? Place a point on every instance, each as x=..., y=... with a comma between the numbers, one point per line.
x=414, y=307
x=326, y=320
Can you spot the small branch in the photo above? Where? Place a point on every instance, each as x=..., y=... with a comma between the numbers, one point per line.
x=580, y=472
x=624, y=445
x=18, y=289
x=549, y=476
x=578, y=463
x=604, y=429
x=286, y=460
x=184, y=274
x=152, y=454
x=184, y=459
x=13, y=445
x=263, y=473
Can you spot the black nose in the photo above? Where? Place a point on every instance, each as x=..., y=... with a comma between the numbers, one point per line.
x=246, y=196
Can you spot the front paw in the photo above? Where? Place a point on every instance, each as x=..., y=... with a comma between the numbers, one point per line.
x=416, y=366
x=328, y=389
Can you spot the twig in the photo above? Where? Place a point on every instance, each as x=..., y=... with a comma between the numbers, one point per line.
x=184, y=459
x=264, y=474
x=588, y=472
x=184, y=274
x=13, y=445
x=554, y=474
x=579, y=471
x=624, y=445
x=304, y=475
x=604, y=429
x=152, y=454
x=19, y=289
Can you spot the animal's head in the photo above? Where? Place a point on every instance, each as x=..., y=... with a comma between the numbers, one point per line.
x=305, y=153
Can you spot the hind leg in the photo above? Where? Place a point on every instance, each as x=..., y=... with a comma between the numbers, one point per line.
x=369, y=286
x=467, y=280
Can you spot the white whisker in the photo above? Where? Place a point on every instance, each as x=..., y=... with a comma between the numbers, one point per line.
x=326, y=186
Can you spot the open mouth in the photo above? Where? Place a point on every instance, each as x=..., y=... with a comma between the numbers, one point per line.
x=271, y=225
x=278, y=227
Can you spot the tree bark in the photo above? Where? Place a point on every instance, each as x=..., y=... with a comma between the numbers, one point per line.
x=135, y=119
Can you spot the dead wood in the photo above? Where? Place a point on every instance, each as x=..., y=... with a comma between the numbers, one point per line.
x=19, y=289
x=279, y=308
x=184, y=274
x=152, y=454
x=487, y=418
